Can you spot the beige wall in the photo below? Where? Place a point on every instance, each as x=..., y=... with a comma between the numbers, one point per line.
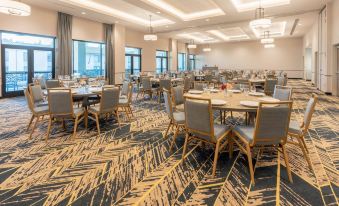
x=41, y=21
x=84, y=29
x=287, y=56
x=148, y=49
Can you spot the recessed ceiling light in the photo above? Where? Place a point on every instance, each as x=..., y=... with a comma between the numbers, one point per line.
x=300, y=24
x=158, y=12
x=167, y=26
x=107, y=10
x=83, y=13
x=186, y=16
x=207, y=20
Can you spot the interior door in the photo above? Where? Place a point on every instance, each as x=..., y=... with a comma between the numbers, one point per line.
x=15, y=70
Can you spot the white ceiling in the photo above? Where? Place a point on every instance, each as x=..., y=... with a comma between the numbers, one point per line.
x=205, y=21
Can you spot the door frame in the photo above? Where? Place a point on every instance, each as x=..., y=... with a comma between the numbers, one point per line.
x=30, y=64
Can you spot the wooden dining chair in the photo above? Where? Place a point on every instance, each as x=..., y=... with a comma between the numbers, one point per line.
x=36, y=111
x=60, y=104
x=52, y=83
x=270, y=131
x=283, y=93
x=109, y=103
x=269, y=87
x=146, y=87
x=198, y=86
x=200, y=125
x=177, y=119
x=298, y=131
x=37, y=95
x=164, y=84
x=125, y=103
x=187, y=84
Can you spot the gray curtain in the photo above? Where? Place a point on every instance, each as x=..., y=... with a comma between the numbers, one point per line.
x=64, y=45
x=109, y=57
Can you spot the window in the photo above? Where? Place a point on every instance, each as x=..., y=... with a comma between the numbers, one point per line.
x=132, y=61
x=161, y=61
x=181, y=62
x=27, y=40
x=88, y=58
x=192, y=62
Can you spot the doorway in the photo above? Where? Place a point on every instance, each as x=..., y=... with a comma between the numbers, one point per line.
x=21, y=64
x=308, y=64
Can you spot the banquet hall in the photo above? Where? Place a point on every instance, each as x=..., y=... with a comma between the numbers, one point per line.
x=169, y=102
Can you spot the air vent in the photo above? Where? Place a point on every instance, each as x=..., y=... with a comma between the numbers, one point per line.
x=294, y=26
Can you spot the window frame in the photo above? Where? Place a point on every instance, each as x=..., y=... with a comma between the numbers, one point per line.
x=194, y=60
x=184, y=64
x=101, y=49
x=134, y=55
x=161, y=57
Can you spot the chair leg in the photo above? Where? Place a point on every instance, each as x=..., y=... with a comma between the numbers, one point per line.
x=75, y=127
x=118, y=118
x=287, y=164
x=130, y=110
x=168, y=128
x=97, y=122
x=63, y=124
x=305, y=153
x=250, y=164
x=185, y=146
x=127, y=114
x=49, y=128
x=30, y=122
x=34, y=126
x=174, y=137
x=304, y=143
x=216, y=154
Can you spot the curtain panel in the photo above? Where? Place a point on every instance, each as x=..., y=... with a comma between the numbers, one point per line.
x=109, y=57
x=64, y=45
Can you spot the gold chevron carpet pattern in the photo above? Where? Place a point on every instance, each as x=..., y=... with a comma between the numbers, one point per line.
x=132, y=165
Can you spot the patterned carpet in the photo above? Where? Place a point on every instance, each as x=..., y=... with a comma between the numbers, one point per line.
x=133, y=165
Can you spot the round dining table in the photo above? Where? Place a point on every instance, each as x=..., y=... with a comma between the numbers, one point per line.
x=82, y=93
x=232, y=101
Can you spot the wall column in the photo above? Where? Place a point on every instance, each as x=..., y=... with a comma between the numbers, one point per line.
x=119, y=53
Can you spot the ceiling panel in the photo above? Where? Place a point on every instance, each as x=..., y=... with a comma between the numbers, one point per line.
x=248, y=5
x=276, y=30
x=191, y=6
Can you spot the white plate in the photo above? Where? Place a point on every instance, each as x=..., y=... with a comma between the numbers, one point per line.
x=257, y=94
x=195, y=92
x=218, y=102
x=214, y=90
x=269, y=99
x=235, y=90
x=249, y=103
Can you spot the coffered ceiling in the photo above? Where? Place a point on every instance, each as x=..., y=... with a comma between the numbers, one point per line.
x=204, y=21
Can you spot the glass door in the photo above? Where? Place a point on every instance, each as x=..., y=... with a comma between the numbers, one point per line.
x=136, y=65
x=15, y=72
x=22, y=64
x=128, y=65
x=43, y=64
